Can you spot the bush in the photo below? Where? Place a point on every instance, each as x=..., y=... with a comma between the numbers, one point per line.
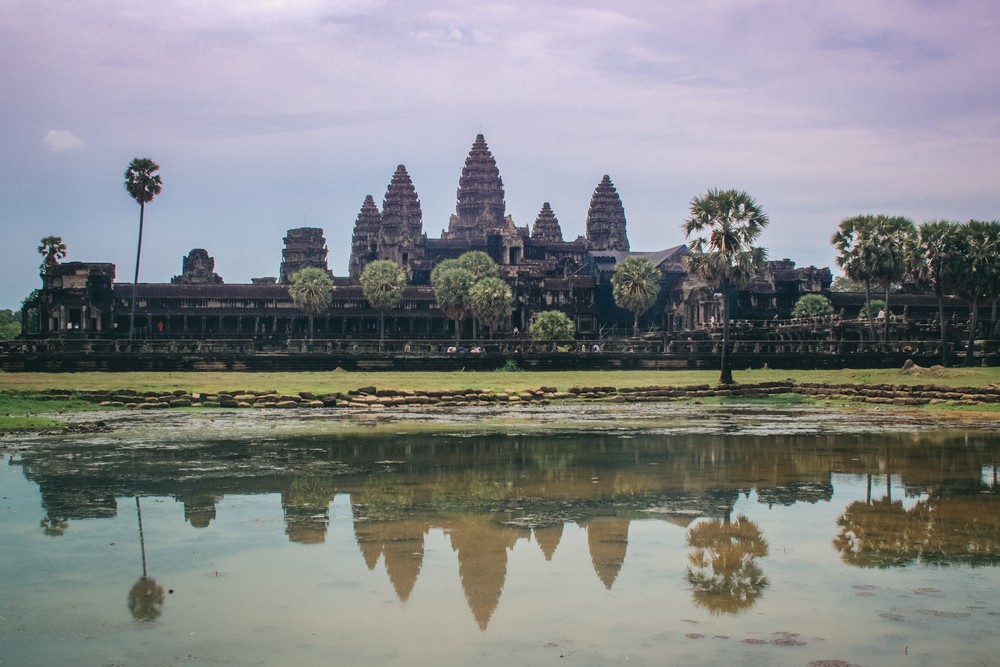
x=509, y=366
x=875, y=306
x=551, y=325
x=812, y=305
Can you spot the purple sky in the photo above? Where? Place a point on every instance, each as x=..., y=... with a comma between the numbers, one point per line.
x=266, y=115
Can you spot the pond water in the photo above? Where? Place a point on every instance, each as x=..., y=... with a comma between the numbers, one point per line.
x=687, y=536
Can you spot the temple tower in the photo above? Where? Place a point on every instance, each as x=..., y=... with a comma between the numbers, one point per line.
x=606, y=218
x=402, y=220
x=304, y=246
x=364, y=241
x=481, y=209
x=546, y=227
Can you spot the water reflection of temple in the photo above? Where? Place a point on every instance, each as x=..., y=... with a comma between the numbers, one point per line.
x=487, y=494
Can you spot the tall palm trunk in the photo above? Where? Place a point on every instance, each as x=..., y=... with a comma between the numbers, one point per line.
x=885, y=321
x=939, y=293
x=135, y=281
x=635, y=326
x=726, y=376
x=973, y=323
x=868, y=307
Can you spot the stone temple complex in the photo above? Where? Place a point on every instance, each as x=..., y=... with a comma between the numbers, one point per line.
x=544, y=269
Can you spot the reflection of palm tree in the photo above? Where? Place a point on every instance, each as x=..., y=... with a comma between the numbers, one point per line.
x=145, y=600
x=54, y=526
x=724, y=574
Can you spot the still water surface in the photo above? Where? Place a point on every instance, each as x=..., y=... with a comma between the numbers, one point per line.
x=716, y=536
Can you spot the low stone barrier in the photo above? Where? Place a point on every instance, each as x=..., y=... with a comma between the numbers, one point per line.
x=373, y=398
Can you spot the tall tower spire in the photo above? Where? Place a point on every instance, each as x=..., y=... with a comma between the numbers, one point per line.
x=364, y=241
x=546, y=227
x=606, y=218
x=402, y=220
x=481, y=208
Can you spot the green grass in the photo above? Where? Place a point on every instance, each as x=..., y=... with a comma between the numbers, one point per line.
x=334, y=381
x=22, y=405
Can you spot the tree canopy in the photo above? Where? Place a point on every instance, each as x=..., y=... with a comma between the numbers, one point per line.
x=311, y=291
x=491, y=300
x=722, y=229
x=52, y=249
x=551, y=325
x=812, y=305
x=635, y=285
x=382, y=283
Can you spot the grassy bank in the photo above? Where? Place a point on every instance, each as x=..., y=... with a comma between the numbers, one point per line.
x=331, y=382
x=21, y=407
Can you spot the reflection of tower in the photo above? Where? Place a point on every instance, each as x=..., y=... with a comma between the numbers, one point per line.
x=482, y=561
x=306, y=504
x=199, y=510
x=401, y=543
x=607, y=537
x=548, y=538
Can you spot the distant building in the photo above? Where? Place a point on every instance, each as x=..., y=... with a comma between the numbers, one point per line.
x=544, y=270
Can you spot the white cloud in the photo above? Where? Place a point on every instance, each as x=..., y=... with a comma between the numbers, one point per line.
x=59, y=141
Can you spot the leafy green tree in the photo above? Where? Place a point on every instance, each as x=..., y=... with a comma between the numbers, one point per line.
x=979, y=277
x=10, y=324
x=491, y=301
x=311, y=291
x=551, y=325
x=52, y=249
x=872, y=308
x=451, y=291
x=722, y=228
x=935, y=261
x=382, y=283
x=874, y=249
x=635, y=285
x=479, y=264
x=142, y=183
x=812, y=305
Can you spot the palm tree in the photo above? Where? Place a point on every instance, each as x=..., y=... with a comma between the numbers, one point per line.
x=311, y=291
x=142, y=183
x=723, y=571
x=635, y=286
x=874, y=248
x=52, y=249
x=724, y=225
x=491, y=300
x=382, y=283
x=451, y=285
x=934, y=262
x=852, y=241
x=479, y=264
x=893, y=237
x=979, y=279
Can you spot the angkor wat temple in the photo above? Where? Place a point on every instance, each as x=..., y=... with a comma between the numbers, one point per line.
x=544, y=269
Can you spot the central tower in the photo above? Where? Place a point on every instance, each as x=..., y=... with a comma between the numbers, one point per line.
x=481, y=209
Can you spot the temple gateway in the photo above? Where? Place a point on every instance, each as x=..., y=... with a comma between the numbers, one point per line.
x=544, y=270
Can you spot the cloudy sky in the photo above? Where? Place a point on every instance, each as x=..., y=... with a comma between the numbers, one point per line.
x=267, y=114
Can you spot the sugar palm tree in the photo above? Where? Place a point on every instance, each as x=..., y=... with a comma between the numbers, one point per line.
x=491, y=300
x=311, y=291
x=722, y=229
x=934, y=262
x=979, y=277
x=451, y=285
x=142, y=183
x=382, y=283
x=551, y=325
x=635, y=286
x=853, y=243
x=52, y=249
x=891, y=242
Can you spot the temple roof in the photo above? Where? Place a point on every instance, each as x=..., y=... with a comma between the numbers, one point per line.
x=606, y=218
x=480, y=190
x=546, y=227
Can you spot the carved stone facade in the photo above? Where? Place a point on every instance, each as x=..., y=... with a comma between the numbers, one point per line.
x=606, y=218
x=304, y=246
x=197, y=269
x=544, y=270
